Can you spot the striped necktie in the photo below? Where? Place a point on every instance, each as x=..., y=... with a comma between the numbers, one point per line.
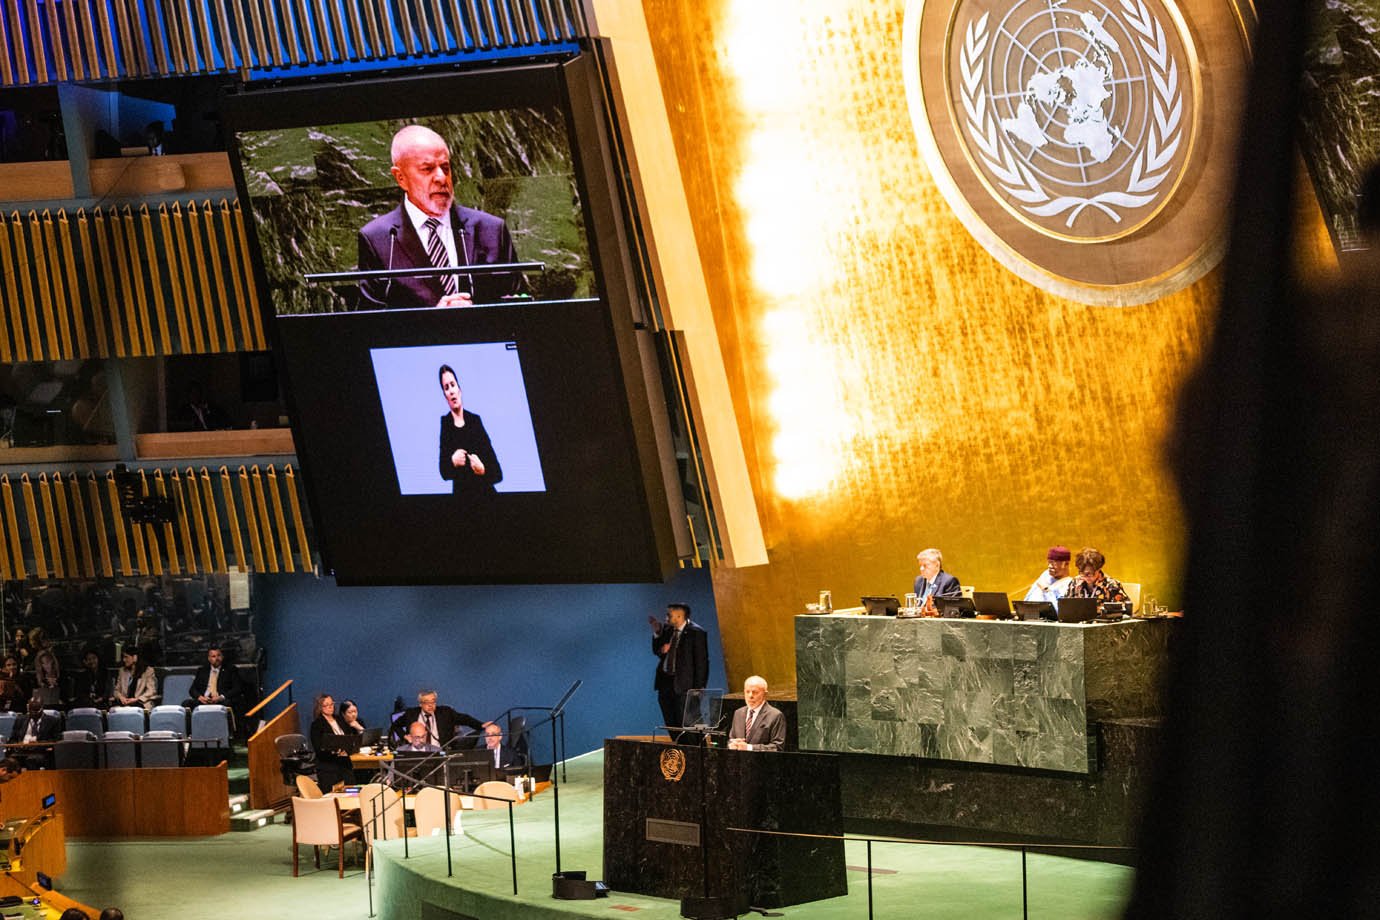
x=436, y=252
x=752, y=716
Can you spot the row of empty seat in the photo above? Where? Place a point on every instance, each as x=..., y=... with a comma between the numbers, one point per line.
x=79, y=750
x=204, y=723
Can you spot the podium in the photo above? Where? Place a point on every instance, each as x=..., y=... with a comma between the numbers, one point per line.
x=668, y=810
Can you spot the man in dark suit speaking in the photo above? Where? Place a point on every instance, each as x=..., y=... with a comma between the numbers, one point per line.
x=429, y=230
x=682, y=651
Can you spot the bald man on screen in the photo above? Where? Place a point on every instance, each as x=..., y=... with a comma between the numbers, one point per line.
x=428, y=229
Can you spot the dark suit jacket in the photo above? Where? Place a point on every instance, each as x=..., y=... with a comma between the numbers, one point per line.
x=90, y=689
x=447, y=721
x=480, y=239
x=227, y=685
x=507, y=756
x=324, y=741
x=946, y=585
x=49, y=728
x=692, y=659
x=768, y=731
x=475, y=440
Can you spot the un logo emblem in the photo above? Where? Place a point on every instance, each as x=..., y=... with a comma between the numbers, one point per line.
x=1058, y=128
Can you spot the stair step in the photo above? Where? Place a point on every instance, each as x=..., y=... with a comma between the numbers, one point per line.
x=238, y=803
x=251, y=819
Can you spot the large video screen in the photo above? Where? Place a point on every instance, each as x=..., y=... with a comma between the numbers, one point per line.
x=336, y=197
x=539, y=484
x=455, y=326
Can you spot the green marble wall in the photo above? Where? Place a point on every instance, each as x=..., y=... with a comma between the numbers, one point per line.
x=981, y=691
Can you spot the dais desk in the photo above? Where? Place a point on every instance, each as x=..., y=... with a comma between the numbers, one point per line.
x=1015, y=693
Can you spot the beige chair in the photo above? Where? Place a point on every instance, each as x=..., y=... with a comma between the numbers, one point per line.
x=494, y=789
x=307, y=787
x=1132, y=590
x=320, y=823
x=380, y=812
x=429, y=811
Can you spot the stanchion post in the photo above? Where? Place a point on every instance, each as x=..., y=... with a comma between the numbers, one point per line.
x=445, y=810
x=512, y=847
x=869, y=880
x=1025, y=891
x=368, y=858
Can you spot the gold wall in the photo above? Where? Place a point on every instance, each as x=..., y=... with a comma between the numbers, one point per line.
x=896, y=388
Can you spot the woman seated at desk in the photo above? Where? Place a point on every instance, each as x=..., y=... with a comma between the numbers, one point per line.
x=1092, y=581
x=328, y=739
x=349, y=718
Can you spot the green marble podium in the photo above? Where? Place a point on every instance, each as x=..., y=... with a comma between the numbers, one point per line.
x=1013, y=693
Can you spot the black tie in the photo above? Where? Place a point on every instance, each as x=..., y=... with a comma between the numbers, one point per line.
x=436, y=251
x=671, y=655
x=747, y=732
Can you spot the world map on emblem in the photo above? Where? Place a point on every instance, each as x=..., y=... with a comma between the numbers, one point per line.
x=1074, y=111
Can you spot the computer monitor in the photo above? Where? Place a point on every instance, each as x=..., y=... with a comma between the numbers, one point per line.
x=992, y=603
x=470, y=768
x=880, y=606
x=960, y=607
x=1035, y=610
x=1077, y=609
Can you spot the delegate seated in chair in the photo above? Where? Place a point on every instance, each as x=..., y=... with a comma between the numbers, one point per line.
x=136, y=683
x=503, y=755
x=35, y=725
x=215, y=682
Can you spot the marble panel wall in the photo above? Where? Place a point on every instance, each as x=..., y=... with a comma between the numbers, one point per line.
x=1009, y=693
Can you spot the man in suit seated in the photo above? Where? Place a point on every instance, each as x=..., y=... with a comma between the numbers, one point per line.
x=758, y=726
x=933, y=581
x=503, y=755
x=417, y=741
x=441, y=722
x=36, y=727
x=215, y=683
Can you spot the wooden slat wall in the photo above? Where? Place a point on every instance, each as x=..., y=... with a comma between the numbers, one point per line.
x=108, y=39
x=69, y=524
x=126, y=283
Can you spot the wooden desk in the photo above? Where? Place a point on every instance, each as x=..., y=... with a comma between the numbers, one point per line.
x=127, y=802
x=370, y=760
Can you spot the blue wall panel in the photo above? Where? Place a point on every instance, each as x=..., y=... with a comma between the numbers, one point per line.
x=484, y=649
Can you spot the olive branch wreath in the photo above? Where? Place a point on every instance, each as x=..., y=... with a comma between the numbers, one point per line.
x=1150, y=167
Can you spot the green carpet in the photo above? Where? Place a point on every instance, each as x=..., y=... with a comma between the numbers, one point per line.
x=252, y=872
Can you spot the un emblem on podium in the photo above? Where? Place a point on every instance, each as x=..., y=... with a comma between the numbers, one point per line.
x=672, y=764
x=1087, y=144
